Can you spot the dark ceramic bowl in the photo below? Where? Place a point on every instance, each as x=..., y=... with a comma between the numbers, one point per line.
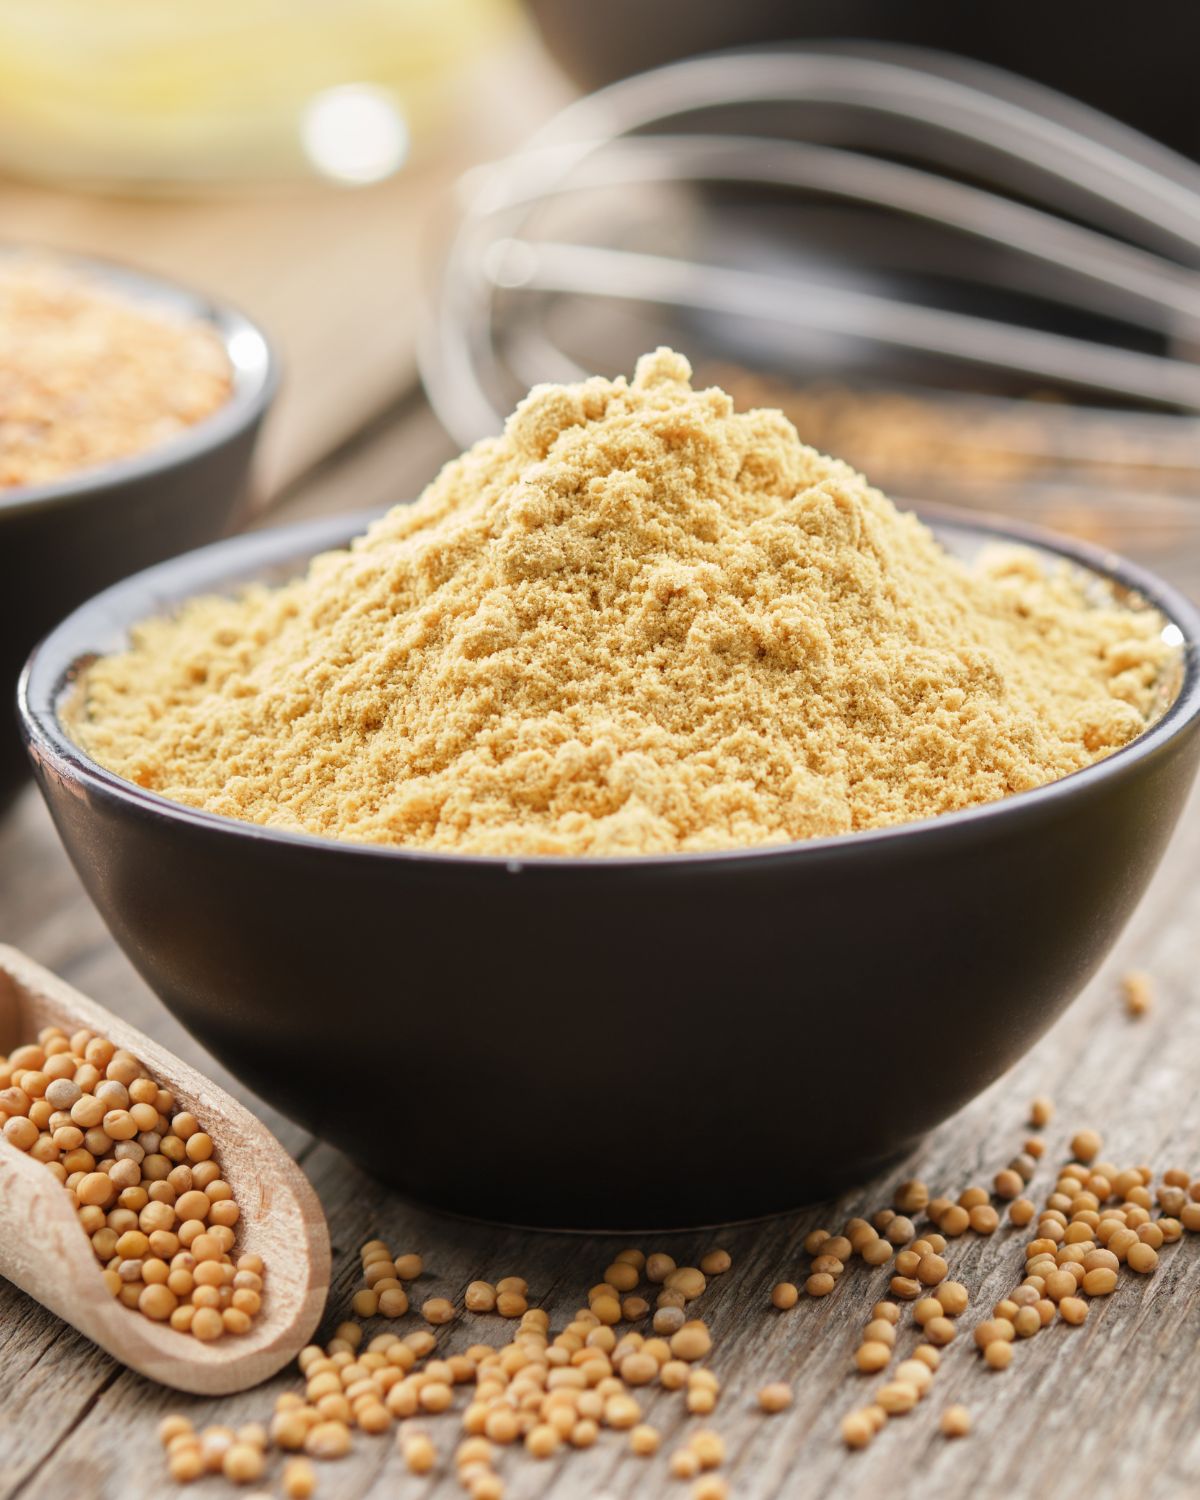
x=61, y=542
x=614, y=1043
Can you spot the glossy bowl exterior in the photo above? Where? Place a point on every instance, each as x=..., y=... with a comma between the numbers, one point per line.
x=611, y=1043
x=61, y=542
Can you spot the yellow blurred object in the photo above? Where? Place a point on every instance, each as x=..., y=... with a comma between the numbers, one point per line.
x=146, y=93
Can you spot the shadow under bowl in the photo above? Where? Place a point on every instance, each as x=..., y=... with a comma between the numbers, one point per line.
x=614, y=1043
x=61, y=542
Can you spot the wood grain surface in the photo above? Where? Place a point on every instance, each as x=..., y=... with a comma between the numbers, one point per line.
x=1105, y=1412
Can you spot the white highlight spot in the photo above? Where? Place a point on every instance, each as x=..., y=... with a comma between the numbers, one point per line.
x=355, y=133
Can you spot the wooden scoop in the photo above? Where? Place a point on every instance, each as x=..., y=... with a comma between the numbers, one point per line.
x=44, y=1251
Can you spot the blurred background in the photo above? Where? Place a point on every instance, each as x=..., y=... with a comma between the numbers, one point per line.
x=958, y=243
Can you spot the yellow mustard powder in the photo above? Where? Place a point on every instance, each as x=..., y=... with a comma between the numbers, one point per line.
x=89, y=376
x=637, y=622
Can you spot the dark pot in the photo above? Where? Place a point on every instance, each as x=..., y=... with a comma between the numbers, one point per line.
x=613, y=1043
x=61, y=542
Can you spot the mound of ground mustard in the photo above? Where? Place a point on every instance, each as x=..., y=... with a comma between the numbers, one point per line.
x=636, y=622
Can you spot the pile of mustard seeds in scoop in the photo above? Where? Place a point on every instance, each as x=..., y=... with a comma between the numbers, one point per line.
x=638, y=622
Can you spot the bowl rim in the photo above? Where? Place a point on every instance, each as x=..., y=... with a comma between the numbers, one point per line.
x=53, y=664
x=255, y=370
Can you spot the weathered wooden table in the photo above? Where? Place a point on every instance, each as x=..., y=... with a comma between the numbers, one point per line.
x=1109, y=1410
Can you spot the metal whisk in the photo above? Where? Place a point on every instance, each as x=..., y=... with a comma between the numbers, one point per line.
x=879, y=217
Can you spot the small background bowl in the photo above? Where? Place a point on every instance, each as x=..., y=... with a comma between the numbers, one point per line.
x=61, y=542
x=626, y=1042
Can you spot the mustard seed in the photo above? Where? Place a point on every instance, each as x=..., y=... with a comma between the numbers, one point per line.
x=1021, y=1211
x=1086, y=1145
x=393, y=1302
x=872, y=1357
x=1041, y=1112
x=299, y=1479
x=954, y=1298
x=686, y=1279
x=888, y=1311
x=955, y=1221
x=243, y=1463
x=480, y=1297
x=926, y=1309
x=327, y=1440
x=684, y=1464
x=1100, y=1282
x=998, y=1354
x=775, y=1397
x=437, y=1310
x=638, y=1369
x=710, y=1487
x=905, y=1287
x=173, y=1426
x=620, y=1275
x=956, y=1422
x=709, y=1448
x=857, y=1430
x=898, y=1397
x=186, y=1465
x=419, y=1454
x=1008, y=1183
x=621, y=1412
x=692, y=1342
x=932, y=1269
x=658, y=1267
x=669, y=1320
x=1137, y=990
x=644, y=1440
x=1060, y=1284
x=716, y=1262
x=820, y=1284
x=994, y=1330
x=1142, y=1258
x=911, y=1196
x=940, y=1330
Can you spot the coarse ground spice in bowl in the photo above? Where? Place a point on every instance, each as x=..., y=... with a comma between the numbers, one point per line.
x=129, y=409
x=646, y=729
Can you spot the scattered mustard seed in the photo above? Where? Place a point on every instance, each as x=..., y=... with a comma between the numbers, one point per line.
x=1137, y=990
x=956, y=1422
x=1041, y=1112
x=775, y=1397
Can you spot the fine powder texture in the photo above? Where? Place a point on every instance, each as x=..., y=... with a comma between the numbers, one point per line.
x=635, y=623
x=89, y=375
